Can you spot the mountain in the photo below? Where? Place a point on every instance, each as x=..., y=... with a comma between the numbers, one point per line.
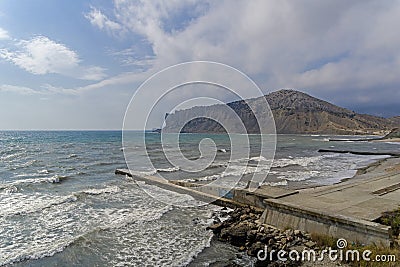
x=294, y=113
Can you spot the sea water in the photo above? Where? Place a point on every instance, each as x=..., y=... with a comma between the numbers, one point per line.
x=62, y=205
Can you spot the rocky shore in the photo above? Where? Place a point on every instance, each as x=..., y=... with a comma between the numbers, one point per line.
x=241, y=228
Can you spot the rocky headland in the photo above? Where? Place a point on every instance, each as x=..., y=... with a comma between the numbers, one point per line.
x=294, y=112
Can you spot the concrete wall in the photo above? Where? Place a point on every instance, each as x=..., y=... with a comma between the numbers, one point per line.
x=243, y=196
x=312, y=221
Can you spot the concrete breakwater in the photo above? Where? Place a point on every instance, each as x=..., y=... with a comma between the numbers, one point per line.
x=368, y=153
x=346, y=210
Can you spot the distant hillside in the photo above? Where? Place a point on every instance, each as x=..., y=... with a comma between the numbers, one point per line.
x=396, y=120
x=294, y=112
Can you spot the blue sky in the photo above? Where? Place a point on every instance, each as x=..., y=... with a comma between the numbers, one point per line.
x=76, y=64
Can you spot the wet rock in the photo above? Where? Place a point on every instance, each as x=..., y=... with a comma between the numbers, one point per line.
x=242, y=229
x=216, y=228
x=251, y=235
x=238, y=235
x=255, y=248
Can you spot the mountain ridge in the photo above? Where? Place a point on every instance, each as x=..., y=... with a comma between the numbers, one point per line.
x=294, y=112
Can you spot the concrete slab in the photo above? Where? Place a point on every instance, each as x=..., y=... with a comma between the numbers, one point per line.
x=273, y=192
x=362, y=199
x=371, y=209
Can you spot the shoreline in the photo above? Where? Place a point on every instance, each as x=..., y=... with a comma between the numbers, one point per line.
x=395, y=140
x=233, y=231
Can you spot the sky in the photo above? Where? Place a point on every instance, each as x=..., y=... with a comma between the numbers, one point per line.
x=77, y=64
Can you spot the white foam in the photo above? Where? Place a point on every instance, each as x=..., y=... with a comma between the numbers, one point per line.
x=63, y=220
x=392, y=143
x=11, y=156
x=172, y=241
x=171, y=169
x=279, y=183
x=259, y=158
x=106, y=190
x=171, y=197
x=301, y=161
x=144, y=173
x=297, y=176
x=20, y=203
x=53, y=179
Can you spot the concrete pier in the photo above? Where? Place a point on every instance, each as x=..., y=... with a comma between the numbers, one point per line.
x=206, y=194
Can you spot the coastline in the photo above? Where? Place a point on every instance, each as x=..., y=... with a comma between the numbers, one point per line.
x=365, y=170
x=231, y=231
x=395, y=140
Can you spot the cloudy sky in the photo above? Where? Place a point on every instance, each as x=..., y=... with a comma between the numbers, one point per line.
x=76, y=64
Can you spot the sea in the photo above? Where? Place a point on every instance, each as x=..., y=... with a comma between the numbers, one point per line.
x=62, y=205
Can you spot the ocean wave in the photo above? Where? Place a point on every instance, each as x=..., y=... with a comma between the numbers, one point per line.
x=11, y=156
x=320, y=139
x=31, y=254
x=22, y=204
x=232, y=170
x=99, y=191
x=300, y=161
x=258, y=159
x=24, y=164
x=392, y=143
x=215, y=166
x=171, y=169
x=54, y=179
x=193, y=254
x=170, y=197
x=71, y=231
x=297, y=176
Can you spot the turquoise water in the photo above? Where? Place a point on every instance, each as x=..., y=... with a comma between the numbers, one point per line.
x=62, y=205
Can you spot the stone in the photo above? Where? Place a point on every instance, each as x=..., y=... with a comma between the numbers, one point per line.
x=255, y=248
x=237, y=235
x=289, y=232
x=310, y=244
x=251, y=235
x=215, y=227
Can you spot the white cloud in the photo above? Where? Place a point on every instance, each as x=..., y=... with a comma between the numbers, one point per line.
x=40, y=55
x=18, y=89
x=4, y=34
x=98, y=19
x=327, y=47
